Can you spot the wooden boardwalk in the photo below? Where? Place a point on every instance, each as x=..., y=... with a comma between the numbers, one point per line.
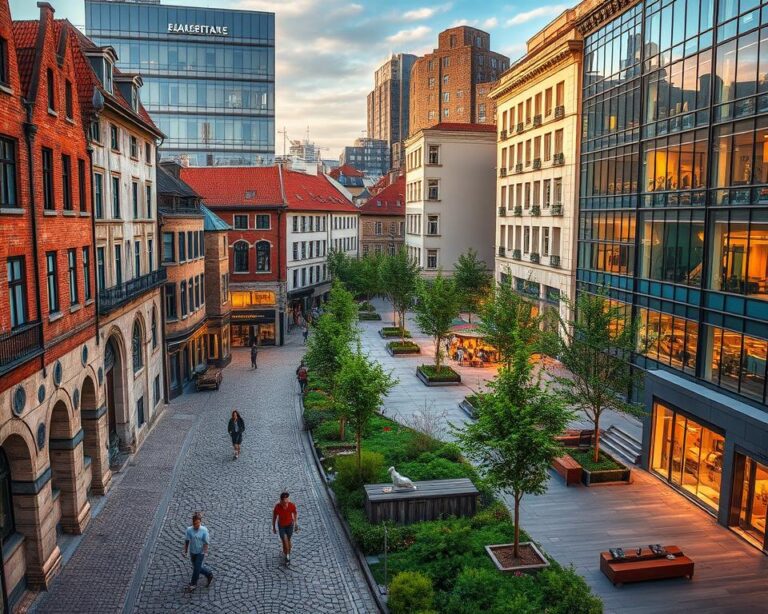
x=575, y=524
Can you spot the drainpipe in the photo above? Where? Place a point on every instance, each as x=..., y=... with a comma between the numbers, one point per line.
x=30, y=130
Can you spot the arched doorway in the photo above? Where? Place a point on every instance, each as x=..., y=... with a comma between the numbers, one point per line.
x=115, y=391
x=65, y=450
x=95, y=438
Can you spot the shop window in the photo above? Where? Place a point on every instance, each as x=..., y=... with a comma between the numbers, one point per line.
x=750, y=494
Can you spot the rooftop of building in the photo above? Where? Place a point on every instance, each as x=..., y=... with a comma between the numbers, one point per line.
x=456, y=127
x=347, y=170
x=168, y=183
x=212, y=222
x=389, y=201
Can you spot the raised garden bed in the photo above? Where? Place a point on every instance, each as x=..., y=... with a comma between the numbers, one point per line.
x=429, y=376
x=606, y=471
x=368, y=316
x=365, y=306
x=402, y=348
x=469, y=405
x=530, y=557
x=392, y=332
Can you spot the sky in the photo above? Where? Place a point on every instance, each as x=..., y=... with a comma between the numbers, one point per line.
x=328, y=50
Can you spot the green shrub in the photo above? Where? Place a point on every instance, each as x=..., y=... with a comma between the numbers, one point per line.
x=365, y=306
x=450, y=451
x=328, y=431
x=429, y=467
x=370, y=537
x=313, y=418
x=446, y=373
x=585, y=458
x=565, y=592
x=491, y=515
x=421, y=443
x=316, y=399
x=404, y=347
x=347, y=474
x=475, y=590
x=409, y=592
x=368, y=315
x=395, y=331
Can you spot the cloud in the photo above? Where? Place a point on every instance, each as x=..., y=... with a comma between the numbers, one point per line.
x=426, y=12
x=490, y=23
x=408, y=36
x=542, y=11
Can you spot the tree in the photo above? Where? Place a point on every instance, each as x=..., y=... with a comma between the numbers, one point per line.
x=438, y=305
x=473, y=281
x=361, y=385
x=368, y=278
x=399, y=275
x=341, y=306
x=338, y=265
x=513, y=439
x=507, y=320
x=595, y=346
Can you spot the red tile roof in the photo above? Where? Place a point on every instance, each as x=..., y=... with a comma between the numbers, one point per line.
x=456, y=127
x=346, y=169
x=25, y=39
x=390, y=201
x=272, y=186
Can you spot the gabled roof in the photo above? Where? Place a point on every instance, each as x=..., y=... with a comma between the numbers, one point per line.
x=347, y=170
x=456, y=127
x=25, y=38
x=238, y=186
x=313, y=193
x=212, y=222
x=390, y=201
x=168, y=184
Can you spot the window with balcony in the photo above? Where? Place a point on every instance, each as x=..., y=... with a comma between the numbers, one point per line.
x=137, y=259
x=7, y=172
x=17, y=291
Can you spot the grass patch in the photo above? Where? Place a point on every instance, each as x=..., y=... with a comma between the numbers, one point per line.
x=368, y=316
x=404, y=347
x=445, y=374
x=394, y=331
x=365, y=306
x=474, y=399
x=585, y=458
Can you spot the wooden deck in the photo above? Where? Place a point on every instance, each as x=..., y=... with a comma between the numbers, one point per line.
x=575, y=524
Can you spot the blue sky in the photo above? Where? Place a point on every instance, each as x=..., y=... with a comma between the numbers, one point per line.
x=328, y=50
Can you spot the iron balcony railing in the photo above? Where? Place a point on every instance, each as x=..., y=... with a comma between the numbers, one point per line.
x=502, y=251
x=502, y=135
x=518, y=210
x=519, y=167
x=535, y=210
x=503, y=171
x=520, y=126
x=554, y=261
x=516, y=254
x=557, y=209
x=502, y=211
x=535, y=257
x=116, y=296
x=20, y=344
x=536, y=164
x=558, y=159
x=537, y=120
x=559, y=112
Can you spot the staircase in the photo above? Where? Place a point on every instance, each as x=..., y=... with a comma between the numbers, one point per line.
x=620, y=444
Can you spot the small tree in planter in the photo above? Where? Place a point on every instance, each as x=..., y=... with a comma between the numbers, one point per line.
x=399, y=275
x=437, y=307
x=368, y=282
x=514, y=437
x=473, y=281
x=361, y=385
x=595, y=347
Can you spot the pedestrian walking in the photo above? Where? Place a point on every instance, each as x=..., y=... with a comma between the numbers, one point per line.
x=196, y=543
x=305, y=332
x=460, y=355
x=254, y=356
x=286, y=517
x=236, y=428
x=302, y=375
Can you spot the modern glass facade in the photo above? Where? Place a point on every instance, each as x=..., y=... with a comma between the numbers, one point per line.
x=209, y=75
x=674, y=184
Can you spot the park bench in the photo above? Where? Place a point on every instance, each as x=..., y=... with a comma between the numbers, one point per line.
x=646, y=566
x=567, y=467
x=576, y=438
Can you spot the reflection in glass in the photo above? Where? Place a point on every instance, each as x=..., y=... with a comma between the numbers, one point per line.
x=752, y=499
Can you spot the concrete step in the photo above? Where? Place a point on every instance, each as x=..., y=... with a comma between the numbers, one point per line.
x=618, y=442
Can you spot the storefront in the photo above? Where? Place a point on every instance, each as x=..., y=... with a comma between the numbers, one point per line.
x=750, y=501
x=254, y=318
x=476, y=351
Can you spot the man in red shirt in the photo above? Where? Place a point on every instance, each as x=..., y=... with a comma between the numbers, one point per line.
x=287, y=517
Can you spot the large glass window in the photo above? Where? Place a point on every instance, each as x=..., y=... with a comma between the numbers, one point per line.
x=7, y=171
x=241, y=257
x=7, y=525
x=672, y=246
x=750, y=499
x=738, y=362
x=668, y=339
x=137, y=347
x=17, y=291
x=740, y=252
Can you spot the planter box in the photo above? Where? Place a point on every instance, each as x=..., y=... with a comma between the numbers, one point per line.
x=466, y=406
x=368, y=315
x=407, y=351
x=530, y=546
x=607, y=476
x=432, y=500
x=386, y=334
x=427, y=382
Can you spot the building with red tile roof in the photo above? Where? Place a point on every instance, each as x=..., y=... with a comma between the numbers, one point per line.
x=382, y=220
x=351, y=178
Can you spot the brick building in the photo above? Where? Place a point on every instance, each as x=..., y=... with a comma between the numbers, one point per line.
x=218, y=304
x=382, y=220
x=452, y=83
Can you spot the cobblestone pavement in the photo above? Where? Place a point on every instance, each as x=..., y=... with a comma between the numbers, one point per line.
x=237, y=498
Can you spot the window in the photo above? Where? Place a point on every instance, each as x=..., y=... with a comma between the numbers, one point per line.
x=140, y=412
x=182, y=247
x=108, y=76
x=168, y=255
x=134, y=147
x=101, y=277
x=432, y=225
x=157, y=390
x=183, y=298
x=137, y=259
x=263, y=222
x=431, y=258
x=135, y=199
x=4, y=65
x=739, y=252
x=17, y=291
x=434, y=154
x=87, y=273
x=241, y=222
x=96, y=131
x=433, y=189
x=119, y=264
x=114, y=137
x=545, y=241
x=191, y=294
x=446, y=96
x=116, y=197
x=72, y=268
x=241, y=257
x=48, y=202
x=148, y=153
x=51, y=90
x=98, y=195
x=66, y=182
x=81, y=183
x=68, y=99
x=481, y=113
x=190, y=245
x=52, y=281
x=446, y=62
x=170, y=301
x=295, y=223
x=148, y=190
x=263, y=256
x=7, y=167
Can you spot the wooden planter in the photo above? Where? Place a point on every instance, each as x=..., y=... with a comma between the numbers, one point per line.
x=368, y=315
x=468, y=408
x=432, y=500
x=607, y=476
x=393, y=336
x=427, y=382
x=403, y=352
x=493, y=550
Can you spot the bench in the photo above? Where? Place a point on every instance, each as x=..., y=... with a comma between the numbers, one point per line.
x=567, y=467
x=576, y=438
x=646, y=566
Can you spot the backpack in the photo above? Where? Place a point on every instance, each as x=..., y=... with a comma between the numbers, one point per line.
x=302, y=374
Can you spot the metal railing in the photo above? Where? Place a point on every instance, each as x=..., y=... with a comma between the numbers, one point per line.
x=20, y=344
x=558, y=159
x=502, y=135
x=503, y=171
x=518, y=210
x=559, y=112
x=535, y=257
x=116, y=296
x=502, y=211
x=520, y=126
x=554, y=261
x=519, y=167
x=535, y=210
x=536, y=164
x=502, y=251
x=516, y=254
x=557, y=209
x=537, y=120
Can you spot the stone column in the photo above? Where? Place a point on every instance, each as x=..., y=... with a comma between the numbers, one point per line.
x=71, y=478
x=96, y=446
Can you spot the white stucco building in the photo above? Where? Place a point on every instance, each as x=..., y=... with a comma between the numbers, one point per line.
x=449, y=195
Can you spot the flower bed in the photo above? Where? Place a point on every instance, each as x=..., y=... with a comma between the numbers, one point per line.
x=606, y=470
x=389, y=332
x=368, y=316
x=430, y=376
x=402, y=348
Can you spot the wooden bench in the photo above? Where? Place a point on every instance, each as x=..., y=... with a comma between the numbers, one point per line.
x=576, y=438
x=567, y=467
x=432, y=500
x=646, y=566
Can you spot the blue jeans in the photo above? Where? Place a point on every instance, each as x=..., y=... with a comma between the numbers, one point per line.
x=198, y=568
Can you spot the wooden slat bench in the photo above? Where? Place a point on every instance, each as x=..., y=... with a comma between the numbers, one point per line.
x=567, y=467
x=576, y=438
x=431, y=500
x=646, y=566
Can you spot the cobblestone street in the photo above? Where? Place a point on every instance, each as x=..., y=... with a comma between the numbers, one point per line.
x=236, y=498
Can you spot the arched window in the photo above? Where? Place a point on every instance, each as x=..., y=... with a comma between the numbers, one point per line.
x=262, y=256
x=241, y=257
x=154, y=328
x=7, y=525
x=138, y=358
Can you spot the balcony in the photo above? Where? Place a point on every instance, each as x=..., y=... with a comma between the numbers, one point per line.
x=502, y=211
x=559, y=112
x=558, y=159
x=516, y=254
x=536, y=164
x=20, y=345
x=554, y=261
x=518, y=210
x=502, y=251
x=535, y=257
x=502, y=135
x=519, y=167
x=536, y=121
x=535, y=210
x=503, y=171
x=520, y=127
x=557, y=209
x=117, y=296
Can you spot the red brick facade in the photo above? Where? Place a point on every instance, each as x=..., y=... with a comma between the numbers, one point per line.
x=451, y=84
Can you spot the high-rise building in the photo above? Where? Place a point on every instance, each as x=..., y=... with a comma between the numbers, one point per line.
x=209, y=76
x=388, y=103
x=371, y=156
x=452, y=83
x=674, y=222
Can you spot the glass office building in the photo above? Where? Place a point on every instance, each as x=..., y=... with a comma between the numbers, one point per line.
x=674, y=221
x=209, y=75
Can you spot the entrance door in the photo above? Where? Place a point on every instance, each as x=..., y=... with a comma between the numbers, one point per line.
x=751, y=500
